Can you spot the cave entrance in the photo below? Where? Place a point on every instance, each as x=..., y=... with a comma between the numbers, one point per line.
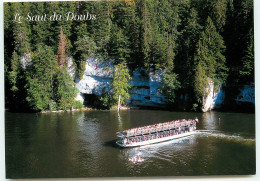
x=94, y=101
x=91, y=100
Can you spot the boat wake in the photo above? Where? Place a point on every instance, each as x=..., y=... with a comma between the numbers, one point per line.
x=165, y=151
x=221, y=135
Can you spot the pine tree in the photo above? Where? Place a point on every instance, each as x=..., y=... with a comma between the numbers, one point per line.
x=209, y=59
x=64, y=90
x=184, y=61
x=215, y=9
x=200, y=83
x=170, y=85
x=43, y=32
x=40, y=78
x=100, y=29
x=21, y=31
x=239, y=24
x=13, y=75
x=133, y=24
x=119, y=45
x=247, y=69
x=120, y=84
x=147, y=34
x=61, y=53
x=170, y=56
x=85, y=48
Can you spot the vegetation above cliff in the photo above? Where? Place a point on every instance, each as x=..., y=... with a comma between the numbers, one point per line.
x=192, y=39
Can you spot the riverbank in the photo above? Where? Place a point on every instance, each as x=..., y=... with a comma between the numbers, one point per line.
x=90, y=109
x=69, y=110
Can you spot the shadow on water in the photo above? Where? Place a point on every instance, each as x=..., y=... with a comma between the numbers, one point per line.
x=111, y=143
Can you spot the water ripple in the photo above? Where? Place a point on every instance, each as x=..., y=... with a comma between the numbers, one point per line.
x=219, y=134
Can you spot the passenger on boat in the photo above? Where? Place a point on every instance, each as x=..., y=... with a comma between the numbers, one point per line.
x=160, y=127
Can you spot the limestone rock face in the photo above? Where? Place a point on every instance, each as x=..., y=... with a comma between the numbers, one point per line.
x=213, y=99
x=144, y=90
x=25, y=60
x=247, y=94
x=98, y=76
x=70, y=67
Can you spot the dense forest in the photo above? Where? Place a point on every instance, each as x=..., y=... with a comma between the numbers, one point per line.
x=193, y=40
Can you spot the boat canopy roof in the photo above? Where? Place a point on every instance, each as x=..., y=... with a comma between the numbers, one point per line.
x=155, y=128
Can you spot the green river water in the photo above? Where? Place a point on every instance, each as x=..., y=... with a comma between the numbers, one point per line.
x=82, y=144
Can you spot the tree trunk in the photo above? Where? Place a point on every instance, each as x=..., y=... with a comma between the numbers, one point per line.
x=118, y=105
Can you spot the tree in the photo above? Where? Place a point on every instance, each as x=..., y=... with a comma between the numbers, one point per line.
x=170, y=56
x=239, y=24
x=187, y=42
x=247, y=69
x=147, y=34
x=120, y=84
x=40, y=78
x=85, y=47
x=215, y=9
x=183, y=37
x=200, y=83
x=21, y=31
x=119, y=45
x=170, y=85
x=15, y=65
x=61, y=53
x=64, y=90
x=16, y=82
x=209, y=59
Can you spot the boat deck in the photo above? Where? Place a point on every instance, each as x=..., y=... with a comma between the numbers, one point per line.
x=157, y=140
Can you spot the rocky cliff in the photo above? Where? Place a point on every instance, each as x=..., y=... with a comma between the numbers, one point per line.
x=144, y=92
x=214, y=99
x=99, y=74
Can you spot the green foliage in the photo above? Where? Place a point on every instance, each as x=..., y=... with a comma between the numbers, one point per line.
x=184, y=61
x=119, y=45
x=236, y=35
x=247, y=70
x=200, y=83
x=40, y=78
x=170, y=85
x=215, y=9
x=64, y=90
x=120, y=83
x=49, y=87
x=209, y=59
x=52, y=106
x=156, y=35
x=21, y=31
x=15, y=66
x=106, y=100
x=77, y=105
x=194, y=107
x=85, y=48
x=81, y=68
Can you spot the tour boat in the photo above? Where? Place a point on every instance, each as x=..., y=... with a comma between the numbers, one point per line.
x=156, y=133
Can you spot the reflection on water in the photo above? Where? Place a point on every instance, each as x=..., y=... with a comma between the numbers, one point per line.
x=82, y=144
x=211, y=121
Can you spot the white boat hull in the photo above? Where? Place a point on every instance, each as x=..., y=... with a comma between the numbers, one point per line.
x=157, y=140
